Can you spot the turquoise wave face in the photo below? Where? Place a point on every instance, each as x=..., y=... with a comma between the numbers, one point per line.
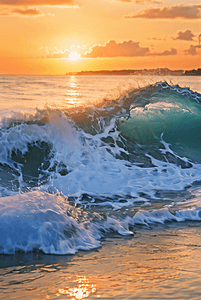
x=173, y=115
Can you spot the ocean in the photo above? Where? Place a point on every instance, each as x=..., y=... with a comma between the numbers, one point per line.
x=100, y=187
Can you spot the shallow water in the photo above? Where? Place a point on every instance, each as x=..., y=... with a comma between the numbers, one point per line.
x=100, y=187
x=156, y=263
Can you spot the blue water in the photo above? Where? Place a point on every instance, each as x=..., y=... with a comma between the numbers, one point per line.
x=87, y=159
x=123, y=151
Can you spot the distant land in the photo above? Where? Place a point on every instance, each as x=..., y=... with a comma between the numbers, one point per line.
x=159, y=71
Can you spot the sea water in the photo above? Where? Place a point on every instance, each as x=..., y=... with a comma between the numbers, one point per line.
x=109, y=165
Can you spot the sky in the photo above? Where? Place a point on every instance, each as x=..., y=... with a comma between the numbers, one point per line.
x=59, y=36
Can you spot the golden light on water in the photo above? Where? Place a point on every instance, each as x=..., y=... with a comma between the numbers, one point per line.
x=81, y=291
x=72, y=95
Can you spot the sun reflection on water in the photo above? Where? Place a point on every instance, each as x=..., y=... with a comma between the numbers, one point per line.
x=72, y=94
x=81, y=291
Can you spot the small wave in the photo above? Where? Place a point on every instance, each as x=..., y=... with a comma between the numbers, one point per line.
x=42, y=221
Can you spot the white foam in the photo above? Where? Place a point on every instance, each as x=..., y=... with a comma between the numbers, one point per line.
x=164, y=215
x=42, y=221
x=39, y=221
x=93, y=170
x=100, y=173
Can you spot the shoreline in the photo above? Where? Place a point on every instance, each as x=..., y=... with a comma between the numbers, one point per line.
x=160, y=263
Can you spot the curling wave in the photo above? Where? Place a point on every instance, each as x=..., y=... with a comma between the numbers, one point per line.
x=70, y=176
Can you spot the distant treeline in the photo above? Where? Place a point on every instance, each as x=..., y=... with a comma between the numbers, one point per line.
x=193, y=72
x=159, y=71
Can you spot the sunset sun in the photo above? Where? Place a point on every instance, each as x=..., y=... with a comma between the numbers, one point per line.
x=100, y=149
x=74, y=55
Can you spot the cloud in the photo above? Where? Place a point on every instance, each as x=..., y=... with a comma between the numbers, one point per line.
x=157, y=39
x=25, y=7
x=181, y=11
x=173, y=51
x=36, y=2
x=49, y=52
x=185, y=36
x=124, y=0
x=192, y=50
x=30, y=11
x=124, y=49
x=54, y=52
x=141, y=2
x=110, y=49
x=113, y=49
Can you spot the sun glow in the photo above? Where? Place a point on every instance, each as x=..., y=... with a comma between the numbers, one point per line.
x=74, y=55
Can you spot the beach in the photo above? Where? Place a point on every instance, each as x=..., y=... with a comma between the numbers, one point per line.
x=153, y=264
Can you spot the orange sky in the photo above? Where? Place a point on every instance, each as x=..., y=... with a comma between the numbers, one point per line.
x=37, y=36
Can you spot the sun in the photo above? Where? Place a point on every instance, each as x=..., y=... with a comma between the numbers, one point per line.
x=74, y=55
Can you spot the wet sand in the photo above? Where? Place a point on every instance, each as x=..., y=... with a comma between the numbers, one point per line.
x=162, y=262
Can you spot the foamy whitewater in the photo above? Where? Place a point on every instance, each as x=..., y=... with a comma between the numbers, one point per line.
x=88, y=156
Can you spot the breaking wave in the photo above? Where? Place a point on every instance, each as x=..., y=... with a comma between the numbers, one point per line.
x=70, y=176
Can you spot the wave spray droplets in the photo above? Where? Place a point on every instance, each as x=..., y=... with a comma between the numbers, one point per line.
x=69, y=176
